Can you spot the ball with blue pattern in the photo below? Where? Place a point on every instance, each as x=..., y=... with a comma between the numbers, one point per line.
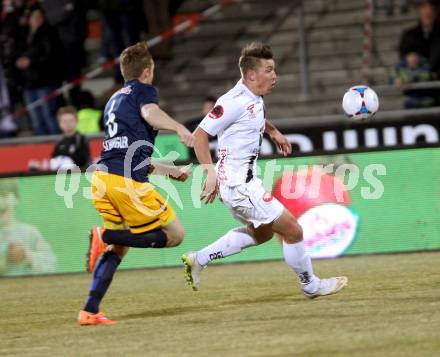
x=360, y=102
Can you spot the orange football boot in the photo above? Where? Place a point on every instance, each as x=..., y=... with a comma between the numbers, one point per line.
x=96, y=247
x=87, y=318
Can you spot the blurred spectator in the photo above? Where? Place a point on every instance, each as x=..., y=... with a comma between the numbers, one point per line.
x=208, y=104
x=69, y=18
x=89, y=117
x=122, y=22
x=424, y=39
x=8, y=127
x=13, y=34
x=158, y=19
x=23, y=249
x=159, y=14
x=41, y=67
x=412, y=69
x=73, y=148
x=389, y=6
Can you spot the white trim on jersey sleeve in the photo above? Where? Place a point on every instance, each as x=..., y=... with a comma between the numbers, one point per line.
x=220, y=117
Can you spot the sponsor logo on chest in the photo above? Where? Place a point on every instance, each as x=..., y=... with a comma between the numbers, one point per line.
x=253, y=110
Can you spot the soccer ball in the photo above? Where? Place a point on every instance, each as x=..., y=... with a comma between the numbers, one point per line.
x=360, y=102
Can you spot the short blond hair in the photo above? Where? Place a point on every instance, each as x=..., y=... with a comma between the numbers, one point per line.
x=251, y=55
x=134, y=60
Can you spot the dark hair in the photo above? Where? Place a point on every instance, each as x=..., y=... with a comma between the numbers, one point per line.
x=134, y=60
x=68, y=109
x=35, y=7
x=430, y=3
x=251, y=55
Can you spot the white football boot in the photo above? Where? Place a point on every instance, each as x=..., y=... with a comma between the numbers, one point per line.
x=328, y=287
x=192, y=270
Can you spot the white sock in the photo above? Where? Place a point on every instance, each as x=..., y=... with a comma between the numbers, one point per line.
x=231, y=243
x=297, y=258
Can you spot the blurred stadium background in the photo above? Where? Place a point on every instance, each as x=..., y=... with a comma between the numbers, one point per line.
x=322, y=47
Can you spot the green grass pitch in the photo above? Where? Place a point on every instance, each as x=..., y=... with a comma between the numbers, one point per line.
x=391, y=307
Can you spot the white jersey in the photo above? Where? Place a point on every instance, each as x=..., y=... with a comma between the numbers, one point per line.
x=238, y=120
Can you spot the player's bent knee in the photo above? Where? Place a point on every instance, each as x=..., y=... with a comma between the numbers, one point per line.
x=174, y=239
x=175, y=236
x=288, y=228
x=295, y=233
x=175, y=233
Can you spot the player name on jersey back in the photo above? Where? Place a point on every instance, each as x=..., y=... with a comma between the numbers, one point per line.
x=120, y=142
x=129, y=139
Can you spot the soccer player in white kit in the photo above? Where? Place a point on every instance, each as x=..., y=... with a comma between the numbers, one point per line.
x=238, y=120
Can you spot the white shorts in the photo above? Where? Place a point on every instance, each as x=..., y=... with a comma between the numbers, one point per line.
x=251, y=203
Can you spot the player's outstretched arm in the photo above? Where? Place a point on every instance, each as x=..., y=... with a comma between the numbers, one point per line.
x=178, y=173
x=278, y=139
x=201, y=148
x=160, y=120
